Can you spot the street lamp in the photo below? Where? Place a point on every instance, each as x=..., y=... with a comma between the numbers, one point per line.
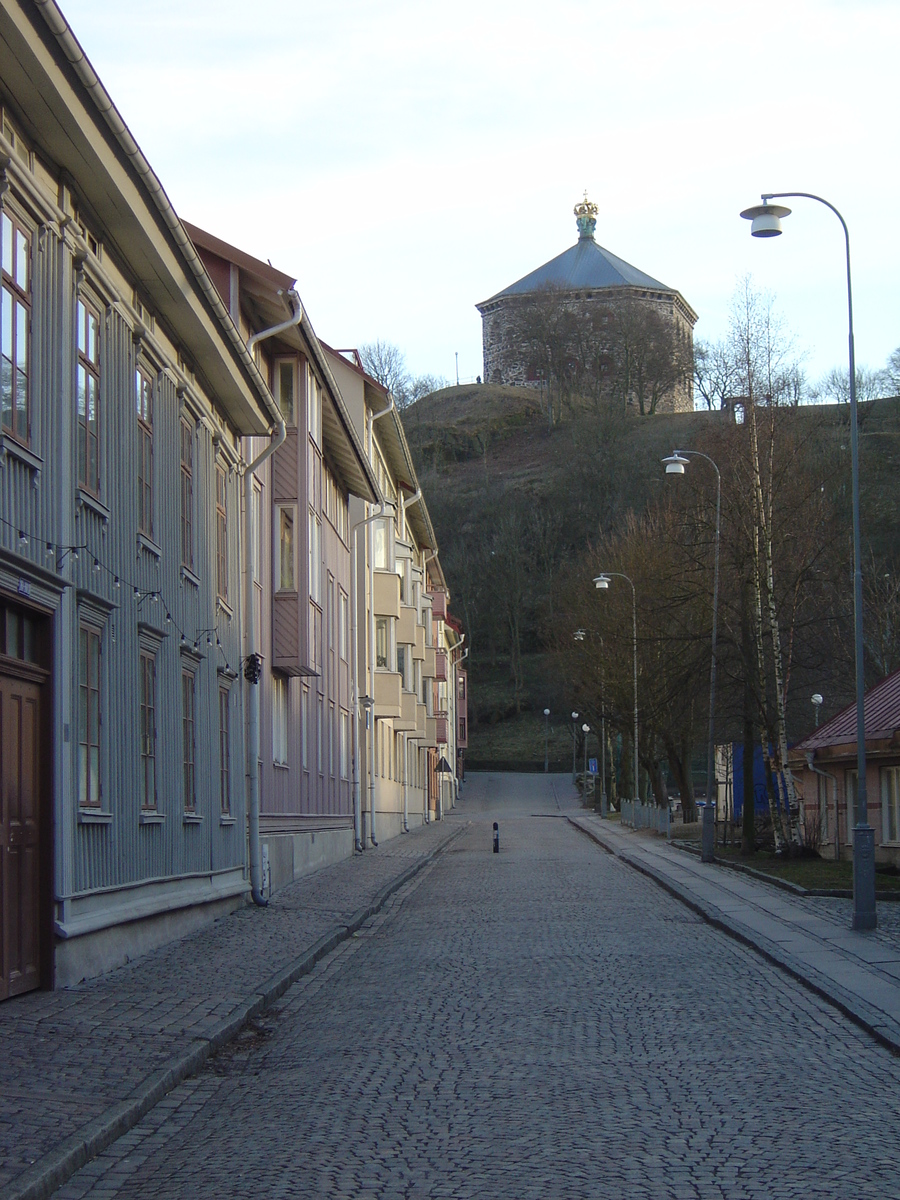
x=574, y=742
x=767, y=220
x=546, y=740
x=585, y=729
x=817, y=701
x=601, y=583
x=675, y=465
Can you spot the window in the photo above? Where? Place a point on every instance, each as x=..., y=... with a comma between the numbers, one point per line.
x=320, y=733
x=286, y=388
x=344, y=626
x=221, y=536
x=88, y=717
x=287, y=581
x=822, y=787
x=850, y=795
x=88, y=398
x=144, y=390
x=381, y=642
x=315, y=558
x=280, y=701
x=187, y=494
x=256, y=511
x=15, y=328
x=331, y=731
x=382, y=558
x=314, y=409
x=148, y=731
x=304, y=728
x=404, y=659
x=224, y=752
x=345, y=745
x=188, y=725
x=890, y=804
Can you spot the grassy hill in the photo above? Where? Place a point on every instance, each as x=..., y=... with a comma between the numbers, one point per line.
x=486, y=457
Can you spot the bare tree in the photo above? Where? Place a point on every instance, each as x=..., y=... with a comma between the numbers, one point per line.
x=387, y=363
x=835, y=386
x=715, y=374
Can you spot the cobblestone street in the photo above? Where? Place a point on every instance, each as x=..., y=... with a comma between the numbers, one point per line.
x=545, y=1023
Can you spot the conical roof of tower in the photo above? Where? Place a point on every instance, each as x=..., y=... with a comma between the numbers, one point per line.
x=586, y=266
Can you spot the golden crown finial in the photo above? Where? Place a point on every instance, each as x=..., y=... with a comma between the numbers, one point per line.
x=586, y=217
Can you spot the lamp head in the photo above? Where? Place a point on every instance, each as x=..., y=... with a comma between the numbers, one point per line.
x=675, y=463
x=817, y=699
x=574, y=716
x=546, y=712
x=585, y=729
x=601, y=583
x=578, y=635
x=766, y=219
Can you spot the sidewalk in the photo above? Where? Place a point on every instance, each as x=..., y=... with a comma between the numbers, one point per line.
x=81, y=1066
x=809, y=937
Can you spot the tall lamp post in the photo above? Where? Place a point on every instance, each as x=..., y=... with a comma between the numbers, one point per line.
x=585, y=729
x=601, y=583
x=767, y=220
x=546, y=740
x=675, y=465
x=574, y=745
x=579, y=636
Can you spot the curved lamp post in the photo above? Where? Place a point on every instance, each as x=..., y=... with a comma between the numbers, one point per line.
x=675, y=465
x=601, y=583
x=767, y=220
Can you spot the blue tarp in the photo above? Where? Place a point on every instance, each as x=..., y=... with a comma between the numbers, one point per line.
x=760, y=796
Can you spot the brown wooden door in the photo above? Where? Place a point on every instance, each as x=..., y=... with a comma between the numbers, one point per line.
x=20, y=841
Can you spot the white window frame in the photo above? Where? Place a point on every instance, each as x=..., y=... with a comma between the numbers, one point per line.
x=890, y=804
x=282, y=511
x=290, y=418
x=281, y=703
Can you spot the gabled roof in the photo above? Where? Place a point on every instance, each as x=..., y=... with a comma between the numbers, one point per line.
x=881, y=708
x=584, y=266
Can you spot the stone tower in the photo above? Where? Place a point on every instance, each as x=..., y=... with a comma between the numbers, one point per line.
x=588, y=277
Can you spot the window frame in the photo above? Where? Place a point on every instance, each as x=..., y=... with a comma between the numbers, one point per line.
x=90, y=715
x=147, y=731
x=281, y=707
x=890, y=804
x=187, y=493
x=283, y=583
x=17, y=297
x=278, y=365
x=89, y=368
x=224, y=750
x=189, y=739
x=221, y=543
x=145, y=389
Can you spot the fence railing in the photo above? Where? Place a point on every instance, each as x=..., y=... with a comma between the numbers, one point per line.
x=638, y=815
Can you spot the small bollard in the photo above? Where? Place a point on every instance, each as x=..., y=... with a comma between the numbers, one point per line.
x=708, y=833
x=496, y=838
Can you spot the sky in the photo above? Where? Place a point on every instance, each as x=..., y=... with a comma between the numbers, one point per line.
x=406, y=159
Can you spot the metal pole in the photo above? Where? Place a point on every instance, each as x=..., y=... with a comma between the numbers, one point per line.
x=546, y=740
x=574, y=745
x=864, y=911
x=634, y=632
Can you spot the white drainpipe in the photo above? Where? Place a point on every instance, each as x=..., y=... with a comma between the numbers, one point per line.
x=354, y=681
x=252, y=671
x=371, y=418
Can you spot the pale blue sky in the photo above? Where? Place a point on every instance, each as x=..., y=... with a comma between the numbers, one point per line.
x=407, y=159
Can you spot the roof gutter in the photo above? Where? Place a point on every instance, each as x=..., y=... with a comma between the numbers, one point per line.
x=76, y=57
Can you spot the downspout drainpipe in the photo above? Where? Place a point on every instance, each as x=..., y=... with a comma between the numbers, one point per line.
x=355, y=697
x=371, y=418
x=837, y=825
x=405, y=783
x=253, y=668
x=405, y=504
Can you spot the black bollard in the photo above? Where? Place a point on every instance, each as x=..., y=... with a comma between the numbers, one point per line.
x=496, y=838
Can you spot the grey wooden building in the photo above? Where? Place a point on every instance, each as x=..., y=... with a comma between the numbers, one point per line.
x=125, y=391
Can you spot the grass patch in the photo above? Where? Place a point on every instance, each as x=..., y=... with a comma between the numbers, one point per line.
x=806, y=872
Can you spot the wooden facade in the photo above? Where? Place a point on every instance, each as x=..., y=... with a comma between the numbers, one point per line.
x=125, y=392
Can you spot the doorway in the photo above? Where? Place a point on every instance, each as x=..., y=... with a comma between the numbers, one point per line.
x=24, y=873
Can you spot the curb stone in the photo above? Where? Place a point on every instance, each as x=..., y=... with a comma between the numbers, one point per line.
x=53, y=1169
x=857, y=1010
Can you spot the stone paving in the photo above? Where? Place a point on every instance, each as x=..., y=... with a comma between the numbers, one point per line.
x=67, y=1056
x=543, y=1023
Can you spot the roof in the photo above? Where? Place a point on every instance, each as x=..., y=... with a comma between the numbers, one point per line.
x=265, y=286
x=68, y=113
x=881, y=708
x=584, y=266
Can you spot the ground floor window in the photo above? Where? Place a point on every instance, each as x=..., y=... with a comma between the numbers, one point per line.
x=890, y=804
